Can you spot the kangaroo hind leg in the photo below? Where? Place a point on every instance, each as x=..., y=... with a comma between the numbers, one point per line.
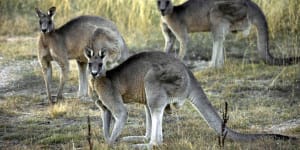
x=157, y=100
x=157, y=104
x=219, y=33
x=169, y=37
x=64, y=66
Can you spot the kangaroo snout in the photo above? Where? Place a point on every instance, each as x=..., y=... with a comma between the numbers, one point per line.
x=94, y=73
x=96, y=69
x=162, y=11
x=44, y=30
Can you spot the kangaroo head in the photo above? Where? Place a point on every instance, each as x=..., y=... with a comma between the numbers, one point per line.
x=102, y=49
x=95, y=61
x=165, y=7
x=46, y=19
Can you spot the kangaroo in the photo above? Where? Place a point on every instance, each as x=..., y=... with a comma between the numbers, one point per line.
x=218, y=17
x=68, y=42
x=156, y=80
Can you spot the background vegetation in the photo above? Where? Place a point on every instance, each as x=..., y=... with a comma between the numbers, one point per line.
x=138, y=20
x=261, y=98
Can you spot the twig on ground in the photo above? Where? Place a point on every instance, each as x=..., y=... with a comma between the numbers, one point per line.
x=222, y=137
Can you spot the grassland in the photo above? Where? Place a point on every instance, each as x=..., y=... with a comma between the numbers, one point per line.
x=261, y=98
x=137, y=20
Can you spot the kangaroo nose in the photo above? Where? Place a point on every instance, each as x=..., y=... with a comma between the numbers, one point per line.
x=162, y=11
x=94, y=74
x=44, y=30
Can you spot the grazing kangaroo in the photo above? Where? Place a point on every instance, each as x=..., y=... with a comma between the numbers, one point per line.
x=68, y=42
x=218, y=17
x=154, y=79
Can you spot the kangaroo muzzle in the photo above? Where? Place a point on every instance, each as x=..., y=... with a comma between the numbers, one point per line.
x=96, y=69
x=94, y=73
x=44, y=28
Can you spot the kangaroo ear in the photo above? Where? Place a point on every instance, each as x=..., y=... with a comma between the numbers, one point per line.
x=88, y=53
x=51, y=11
x=38, y=12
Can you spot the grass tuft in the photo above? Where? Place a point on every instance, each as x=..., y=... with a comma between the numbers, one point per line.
x=58, y=110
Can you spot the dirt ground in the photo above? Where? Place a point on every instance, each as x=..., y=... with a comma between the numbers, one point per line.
x=16, y=83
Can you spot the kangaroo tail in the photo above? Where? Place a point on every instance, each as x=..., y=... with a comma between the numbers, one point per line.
x=259, y=21
x=208, y=112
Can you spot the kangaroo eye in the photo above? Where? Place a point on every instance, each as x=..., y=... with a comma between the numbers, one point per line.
x=49, y=22
x=158, y=2
x=90, y=65
x=167, y=3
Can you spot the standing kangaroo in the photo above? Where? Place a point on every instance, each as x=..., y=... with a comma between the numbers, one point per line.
x=154, y=79
x=218, y=17
x=68, y=42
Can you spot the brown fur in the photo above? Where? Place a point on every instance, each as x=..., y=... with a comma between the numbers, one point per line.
x=66, y=43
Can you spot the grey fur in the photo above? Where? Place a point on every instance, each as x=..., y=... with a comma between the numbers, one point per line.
x=218, y=17
x=154, y=79
x=68, y=42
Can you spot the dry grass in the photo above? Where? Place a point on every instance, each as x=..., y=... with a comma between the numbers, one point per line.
x=138, y=21
x=259, y=95
x=58, y=110
x=251, y=89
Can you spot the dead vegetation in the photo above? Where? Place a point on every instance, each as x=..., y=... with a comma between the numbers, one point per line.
x=261, y=98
